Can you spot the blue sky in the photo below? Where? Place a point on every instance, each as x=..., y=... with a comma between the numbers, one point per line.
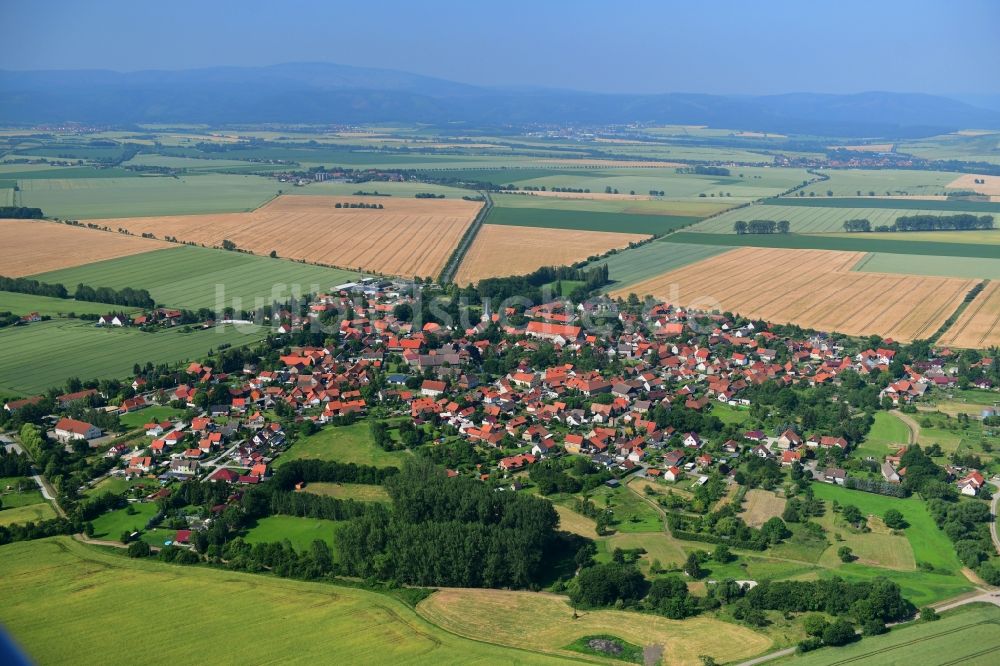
x=719, y=46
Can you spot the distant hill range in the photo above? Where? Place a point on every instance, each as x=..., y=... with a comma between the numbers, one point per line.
x=330, y=93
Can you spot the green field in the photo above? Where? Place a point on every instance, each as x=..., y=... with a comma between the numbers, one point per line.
x=847, y=182
x=361, y=492
x=53, y=307
x=36, y=357
x=813, y=219
x=846, y=242
x=349, y=444
x=85, y=198
x=887, y=434
x=982, y=148
x=671, y=207
x=922, y=205
x=398, y=190
x=582, y=220
x=301, y=532
x=148, y=415
x=109, y=526
x=189, y=277
x=26, y=513
x=631, y=512
x=96, y=597
x=966, y=635
x=636, y=264
x=944, y=266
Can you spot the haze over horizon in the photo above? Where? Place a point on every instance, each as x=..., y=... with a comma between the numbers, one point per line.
x=646, y=47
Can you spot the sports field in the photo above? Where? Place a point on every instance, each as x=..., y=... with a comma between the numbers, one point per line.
x=191, y=277
x=813, y=219
x=95, y=598
x=36, y=357
x=979, y=325
x=409, y=237
x=348, y=444
x=53, y=307
x=36, y=246
x=544, y=622
x=811, y=288
x=968, y=635
x=500, y=250
x=89, y=198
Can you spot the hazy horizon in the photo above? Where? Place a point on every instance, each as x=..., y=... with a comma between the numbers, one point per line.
x=731, y=48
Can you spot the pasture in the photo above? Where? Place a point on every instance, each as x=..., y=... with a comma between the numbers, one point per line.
x=53, y=307
x=409, y=237
x=814, y=289
x=807, y=219
x=760, y=506
x=42, y=355
x=25, y=513
x=95, y=598
x=966, y=635
x=193, y=277
x=356, y=491
x=543, y=622
x=584, y=220
x=878, y=548
x=347, y=444
x=300, y=532
x=979, y=324
x=91, y=198
x=500, y=250
x=36, y=246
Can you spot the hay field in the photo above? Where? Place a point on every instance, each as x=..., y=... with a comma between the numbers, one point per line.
x=812, y=288
x=762, y=505
x=979, y=325
x=36, y=246
x=409, y=237
x=502, y=250
x=544, y=622
x=967, y=182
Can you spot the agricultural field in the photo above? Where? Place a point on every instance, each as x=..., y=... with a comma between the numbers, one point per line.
x=394, y=189
x=967, y=145
x=347, y=444
x=500, y=250
x=356, y=491
x=25, y=513
x=410, y=237
x=584, y=220
x=859, y=182
x=36, y=357
x=920, y=264
x=544, y=623
x=979, y=325
x=53, y=307
x=36, y=246
x=96, y=597
x=806, y=219
x=760, y=506
x=990, y=187
x=636, y=264
x=600, y=202
x=90, y=198
x=301, y=532
x=814, y=289
x=190, y=277
x=966, y=635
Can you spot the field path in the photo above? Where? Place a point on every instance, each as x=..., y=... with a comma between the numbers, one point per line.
x=910, y=423
x=993, y=511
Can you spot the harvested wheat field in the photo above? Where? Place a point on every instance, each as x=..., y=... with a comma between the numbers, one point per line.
x=979, y=325
x=544, y=622
x=761, y=506
x=594, y=196
x=501, y=250
x=812, y=288
x=599, y=163
x=866, y=148
x=408, y=237
x=991, y=184
x=37, y=246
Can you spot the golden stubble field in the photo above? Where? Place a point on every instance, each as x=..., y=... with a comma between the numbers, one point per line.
x=812, y=288
x=408, y=237
x=501, y=250
x=979, y=325
x=991, y=185
x=37, y=246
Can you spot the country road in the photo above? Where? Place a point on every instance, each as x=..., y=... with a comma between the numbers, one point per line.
x=993, y=510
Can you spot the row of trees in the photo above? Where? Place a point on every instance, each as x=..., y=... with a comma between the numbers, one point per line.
x=761, y=227
x=958, y=222
x=127, y=296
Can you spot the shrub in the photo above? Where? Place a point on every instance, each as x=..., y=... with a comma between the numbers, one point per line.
x=138, y=549
x=841, y=632
x=928, y=614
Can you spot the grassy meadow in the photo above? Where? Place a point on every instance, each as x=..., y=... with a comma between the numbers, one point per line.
x=887, y=434
x=38, y=356
x=95, y=597
x=54, y=307
x=348, y=444
x=189, y=277
x=360, y=492
x=300, y=532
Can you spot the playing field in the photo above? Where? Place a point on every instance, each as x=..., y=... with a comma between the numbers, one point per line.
x=979, y=325
x=968, y=635
x=95, y=598
x=87, y=198
x=409, y=237
x=348, y=444
x=807, y=219
x=36, y=357
x=812, y=288
x=544, y=622
x=192, y=277
x=760, y=506
x=500, y=250
x=35, y=246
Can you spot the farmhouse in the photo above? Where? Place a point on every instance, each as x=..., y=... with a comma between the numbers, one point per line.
x=69, y=429
x=557, y=333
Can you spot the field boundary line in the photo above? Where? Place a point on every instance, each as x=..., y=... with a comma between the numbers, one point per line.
x=455, y=260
